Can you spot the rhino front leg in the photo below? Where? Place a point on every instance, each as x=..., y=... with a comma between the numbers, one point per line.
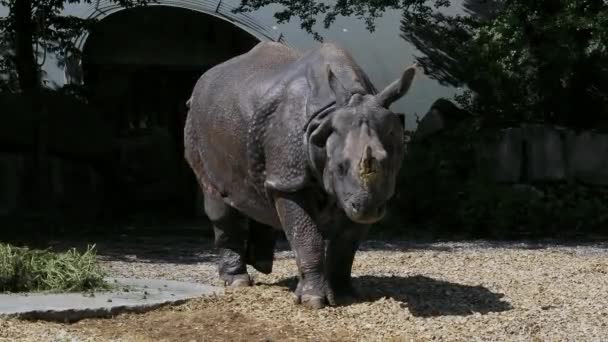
x=314, y=289
x=340, y=257
x=230, y=229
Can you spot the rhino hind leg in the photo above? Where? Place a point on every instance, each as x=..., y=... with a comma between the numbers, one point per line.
x=230, y=229
x=260, y=247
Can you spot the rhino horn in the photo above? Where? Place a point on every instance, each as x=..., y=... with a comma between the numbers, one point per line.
x=367, y=165
x=397, y=89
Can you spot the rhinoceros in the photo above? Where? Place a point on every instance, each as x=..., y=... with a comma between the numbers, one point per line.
x=299, y=142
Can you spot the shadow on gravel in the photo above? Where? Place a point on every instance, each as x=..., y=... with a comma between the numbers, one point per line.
x=424, y=296
x=449, y=246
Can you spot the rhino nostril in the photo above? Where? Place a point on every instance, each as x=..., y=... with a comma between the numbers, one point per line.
x=380, y=209
x=354, y=207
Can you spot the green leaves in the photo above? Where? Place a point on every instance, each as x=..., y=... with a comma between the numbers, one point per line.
x=533, y=61
x=545, y=56
x=309, y=11
x=51, y=33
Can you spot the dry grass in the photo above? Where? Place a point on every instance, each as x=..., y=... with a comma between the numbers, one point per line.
x=23, y=270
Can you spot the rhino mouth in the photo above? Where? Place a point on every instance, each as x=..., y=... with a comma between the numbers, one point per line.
x=365, y=214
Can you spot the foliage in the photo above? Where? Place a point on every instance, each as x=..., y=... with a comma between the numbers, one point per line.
x=542, y=61
x=23, y=269
x=533, y=61
x=52, y=32
x=8, y=74
x=309, y=11
x=549, y=210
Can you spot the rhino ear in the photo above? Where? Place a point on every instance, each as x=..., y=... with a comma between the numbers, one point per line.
x=397, y=89
x=318, y=132
x=342, y=95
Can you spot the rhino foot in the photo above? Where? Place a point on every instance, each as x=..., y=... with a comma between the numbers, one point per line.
x=313, y=302
x=314, y=294
x=238, y=280
x=263, y=266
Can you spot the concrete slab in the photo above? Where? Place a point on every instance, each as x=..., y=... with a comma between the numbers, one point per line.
x=130, y=295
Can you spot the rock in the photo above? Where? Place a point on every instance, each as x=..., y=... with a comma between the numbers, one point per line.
x=430, y=124
x=443, y=114
x=544, y=153
x=449, y=111
x=587, y=155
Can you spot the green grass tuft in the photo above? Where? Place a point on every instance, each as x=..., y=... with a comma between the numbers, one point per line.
x=26, y=270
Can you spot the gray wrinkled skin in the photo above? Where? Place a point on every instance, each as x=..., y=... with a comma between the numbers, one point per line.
x=302, y=143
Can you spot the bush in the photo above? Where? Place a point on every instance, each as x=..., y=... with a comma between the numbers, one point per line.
x=541, y=61
x=22, y=269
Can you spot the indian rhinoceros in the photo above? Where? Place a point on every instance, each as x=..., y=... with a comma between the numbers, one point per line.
x=298, y=142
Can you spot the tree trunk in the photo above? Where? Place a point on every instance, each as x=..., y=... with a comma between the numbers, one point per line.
x=27, y=69
x=29, y=82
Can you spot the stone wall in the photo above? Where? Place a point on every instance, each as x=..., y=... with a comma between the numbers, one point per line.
x=91, y=168
x=76, y=188
x=587, y=157
x=540, y=153
x=530, y=153
x=77, y=140
x=143, y=174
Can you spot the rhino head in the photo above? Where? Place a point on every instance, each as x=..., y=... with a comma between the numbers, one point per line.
x=357, y=149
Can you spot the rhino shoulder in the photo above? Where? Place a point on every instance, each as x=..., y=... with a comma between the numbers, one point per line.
x=275, y=144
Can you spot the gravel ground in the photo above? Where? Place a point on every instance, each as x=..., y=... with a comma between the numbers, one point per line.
x=422, y=292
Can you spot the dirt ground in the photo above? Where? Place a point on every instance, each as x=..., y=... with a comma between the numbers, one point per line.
x=412, y=292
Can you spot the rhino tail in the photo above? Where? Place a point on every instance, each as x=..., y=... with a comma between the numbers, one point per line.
x=189, y=102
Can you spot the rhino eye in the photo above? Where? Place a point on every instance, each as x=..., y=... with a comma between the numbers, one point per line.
x=343, y=168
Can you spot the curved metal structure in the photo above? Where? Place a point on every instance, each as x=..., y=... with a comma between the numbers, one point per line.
x=222, y=9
